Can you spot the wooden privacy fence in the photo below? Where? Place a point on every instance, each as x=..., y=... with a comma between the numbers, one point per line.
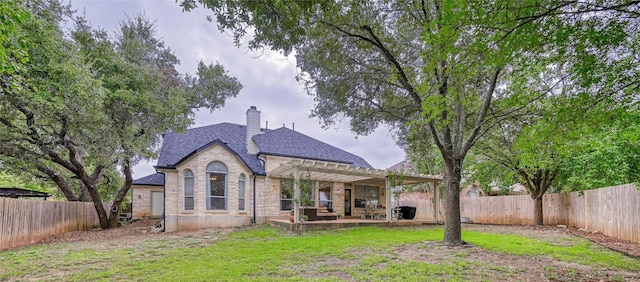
x=613, y=211
x=425, y=209
x=24, y=222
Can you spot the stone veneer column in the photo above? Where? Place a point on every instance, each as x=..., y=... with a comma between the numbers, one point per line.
x=171, y=201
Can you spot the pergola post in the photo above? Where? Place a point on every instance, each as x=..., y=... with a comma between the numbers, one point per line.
x=296, y=195
x=437, y=201
x=388, y=196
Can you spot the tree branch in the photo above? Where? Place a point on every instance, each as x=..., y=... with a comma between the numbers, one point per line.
x=482, y=113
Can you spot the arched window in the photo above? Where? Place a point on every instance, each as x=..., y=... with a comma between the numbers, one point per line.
x=217, y=186
x=188, y=190
x=241, y=191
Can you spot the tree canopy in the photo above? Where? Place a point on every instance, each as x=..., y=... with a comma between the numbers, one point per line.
x=432, y=69
x=91, y=105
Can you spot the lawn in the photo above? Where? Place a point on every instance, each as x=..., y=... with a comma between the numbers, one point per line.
x=362, y=254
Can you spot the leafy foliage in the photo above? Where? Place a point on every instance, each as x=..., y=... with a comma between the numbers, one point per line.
x=90, y=106
x=12, y=45
x=306, y=188
x=9, y=180
x=433, y=69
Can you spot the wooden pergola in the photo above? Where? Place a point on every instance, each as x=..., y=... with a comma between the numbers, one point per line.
x=346, y=173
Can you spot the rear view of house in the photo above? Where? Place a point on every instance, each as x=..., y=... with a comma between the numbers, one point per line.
x=232, y=175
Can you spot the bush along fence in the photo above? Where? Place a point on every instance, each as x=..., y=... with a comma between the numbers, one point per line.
x=613, y=211
x=25, y=222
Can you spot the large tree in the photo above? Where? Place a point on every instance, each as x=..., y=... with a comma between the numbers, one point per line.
x=90, y=105
x=419, y=66
x=556, y=146
x=432, y=67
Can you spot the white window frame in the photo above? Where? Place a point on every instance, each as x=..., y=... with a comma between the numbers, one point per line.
x=329, y=201
x=242, y=191
x=283, y=182
x=368, y=201
x=188, y=175
x=217, y=167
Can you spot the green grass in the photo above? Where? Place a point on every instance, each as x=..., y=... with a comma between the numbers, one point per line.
x=582, y=251
x=264, y=254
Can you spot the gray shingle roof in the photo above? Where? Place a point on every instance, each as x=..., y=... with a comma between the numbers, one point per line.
x=156, y=179
x=289, y=143
x=177, y=146
x=279, y=142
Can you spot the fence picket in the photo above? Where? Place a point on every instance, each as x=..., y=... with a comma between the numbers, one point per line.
x=24, y=222
x=613, y=211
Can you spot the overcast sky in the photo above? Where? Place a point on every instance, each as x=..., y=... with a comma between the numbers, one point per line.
x=268, y=77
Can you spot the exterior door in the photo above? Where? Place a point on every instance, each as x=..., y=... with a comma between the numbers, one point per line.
x=347, y=202
x=157, y=204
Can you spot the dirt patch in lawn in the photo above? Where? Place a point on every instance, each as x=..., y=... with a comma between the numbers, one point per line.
x=624, y=246
x=130, y=234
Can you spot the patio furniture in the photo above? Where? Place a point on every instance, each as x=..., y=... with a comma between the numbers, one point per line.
x=327, y=216
x=310, y=212
x=375, y=213
x=396, y=213
x=408, y=212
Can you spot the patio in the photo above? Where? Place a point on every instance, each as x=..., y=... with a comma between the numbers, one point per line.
x=363, y=195
x=284, y=224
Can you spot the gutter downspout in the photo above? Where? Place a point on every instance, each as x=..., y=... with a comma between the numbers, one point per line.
x=253, y=219
x=163, y=219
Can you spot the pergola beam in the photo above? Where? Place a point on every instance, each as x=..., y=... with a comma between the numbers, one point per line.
x=341, y=172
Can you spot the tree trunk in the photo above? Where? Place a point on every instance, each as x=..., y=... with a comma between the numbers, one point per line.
x=117, y=202
x=538, y=219
x=114, y=215
x=452, y=226
x=84, y=193
x=102, y=213
x=97, y=203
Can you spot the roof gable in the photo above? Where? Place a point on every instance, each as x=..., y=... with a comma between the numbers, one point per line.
x=178, y=146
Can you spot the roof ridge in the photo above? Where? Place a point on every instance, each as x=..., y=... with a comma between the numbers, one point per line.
x=216, y=124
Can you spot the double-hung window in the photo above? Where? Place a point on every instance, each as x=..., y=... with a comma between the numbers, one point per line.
x=241, y=191
x=324, y=195
x=286, y=194
x=188, y=190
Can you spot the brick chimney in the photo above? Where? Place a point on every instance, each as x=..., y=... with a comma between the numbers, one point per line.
x=253, y=128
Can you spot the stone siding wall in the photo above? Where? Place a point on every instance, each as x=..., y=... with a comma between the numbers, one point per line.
x=141, y=202
x=180, y=219
x=267, y=193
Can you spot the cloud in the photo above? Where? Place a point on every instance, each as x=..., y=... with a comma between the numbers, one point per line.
x=268, y=77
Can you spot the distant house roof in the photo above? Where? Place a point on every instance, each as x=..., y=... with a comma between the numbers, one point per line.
x=279, y=142
x=156, y=179
x=19, y=192
x=403, y=166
